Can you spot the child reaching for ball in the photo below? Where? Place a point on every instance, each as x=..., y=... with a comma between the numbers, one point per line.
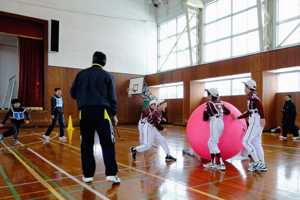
x=213, y=112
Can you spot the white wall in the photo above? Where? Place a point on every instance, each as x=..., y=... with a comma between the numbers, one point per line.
x=125, y=30
x=9, y=65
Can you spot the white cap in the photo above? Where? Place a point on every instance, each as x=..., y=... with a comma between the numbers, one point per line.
x=152, y=102
x=251, y=83
x=213, y=91
x=161, y=101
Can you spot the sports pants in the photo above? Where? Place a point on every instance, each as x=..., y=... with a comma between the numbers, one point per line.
x=97, y=119
x=252, y=139
x=151, y=135
x=216, y=126
x=60, y=118
x=141, y=130
x=14, y=130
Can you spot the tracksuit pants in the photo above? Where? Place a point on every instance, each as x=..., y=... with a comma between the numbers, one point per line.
x=60, y=118
x=14, y=130
x=97, y=119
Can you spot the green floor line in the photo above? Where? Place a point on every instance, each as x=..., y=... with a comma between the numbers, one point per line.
x=37, y=169
x=11, y=187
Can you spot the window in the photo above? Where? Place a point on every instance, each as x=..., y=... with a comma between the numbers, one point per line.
x=288, y=82
x=171, y=92
x=169, y=33
x=288, y=20
x=228, y=87
x=230, y=29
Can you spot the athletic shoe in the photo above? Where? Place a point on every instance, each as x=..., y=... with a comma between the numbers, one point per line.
x=46, y=137
x=282, y=137
x=1, y=138
x=62, y=139
x=170, y=158
x=16, y=142
x=221, y=167
x=114, y=179
x=257, y=166
x=185, y=151
x=210, y=165
x=88, y=179
x=295, y=138
x=262, y=168
x=133, y=153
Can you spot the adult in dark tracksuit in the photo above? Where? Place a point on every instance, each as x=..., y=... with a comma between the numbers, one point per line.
x=57, y=114
x=16, y=114
x=288, y=119
x=94, y=91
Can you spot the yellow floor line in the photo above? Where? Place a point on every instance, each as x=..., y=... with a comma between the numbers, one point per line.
x=127, y=166
x=38, y=177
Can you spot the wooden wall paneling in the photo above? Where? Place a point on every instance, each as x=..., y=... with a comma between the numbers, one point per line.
x=186, y=102
x=174, y=110
x=269, y=92
x=196, y=95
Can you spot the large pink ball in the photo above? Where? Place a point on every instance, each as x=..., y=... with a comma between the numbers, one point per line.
x=230, y=142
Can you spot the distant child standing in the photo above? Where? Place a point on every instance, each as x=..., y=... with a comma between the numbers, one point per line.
x=213, y=112
x=151, y=133
x=16, y=114
x=57, y=114
x=252, y=139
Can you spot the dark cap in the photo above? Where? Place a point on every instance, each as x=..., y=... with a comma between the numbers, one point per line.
x=289, y=95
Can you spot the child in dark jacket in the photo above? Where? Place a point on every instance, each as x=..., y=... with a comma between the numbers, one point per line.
x=16, y=114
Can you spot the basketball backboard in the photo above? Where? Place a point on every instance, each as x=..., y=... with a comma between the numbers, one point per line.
x=136, y=85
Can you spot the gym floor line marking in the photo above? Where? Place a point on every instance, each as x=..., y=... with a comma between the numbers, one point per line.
x=9, y=184
x=198, y=191
x=279, y=146
x=71, y=177
x=31, y=142
x=38, y=170
x=249, y=173
x=38, y=177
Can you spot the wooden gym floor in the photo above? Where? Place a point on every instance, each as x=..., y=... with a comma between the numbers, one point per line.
x=38, y=170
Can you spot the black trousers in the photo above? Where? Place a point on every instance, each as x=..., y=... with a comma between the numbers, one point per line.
x=289, y=127
x=97, y=119
x=14, y=130
x=60, y=118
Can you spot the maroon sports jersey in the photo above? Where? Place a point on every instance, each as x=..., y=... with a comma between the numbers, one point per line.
x=214, y=107
x=254, y=105
x=155, y=118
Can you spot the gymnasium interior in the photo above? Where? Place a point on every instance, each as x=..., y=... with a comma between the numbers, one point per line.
x=178, y=48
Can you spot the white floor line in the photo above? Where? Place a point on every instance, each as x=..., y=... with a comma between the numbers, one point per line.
x=280, y=146
x=71, y=177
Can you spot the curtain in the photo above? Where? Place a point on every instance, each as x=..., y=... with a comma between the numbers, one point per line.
x=20, y=27
x=31, y=78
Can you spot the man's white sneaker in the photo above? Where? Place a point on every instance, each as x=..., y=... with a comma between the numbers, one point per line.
x=295, y=138
x=114, y=179
x=210, y=165
x=46, y=137
x=62, y=139
x=88, y=179
x=221, y=167
x=282, y=137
